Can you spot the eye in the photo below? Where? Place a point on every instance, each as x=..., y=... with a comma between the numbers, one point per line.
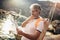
x=36, y=10
x=33, y=11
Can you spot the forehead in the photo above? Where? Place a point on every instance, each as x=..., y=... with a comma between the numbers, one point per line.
x=34, y=9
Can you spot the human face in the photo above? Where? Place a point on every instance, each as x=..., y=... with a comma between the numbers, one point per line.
x=35, y=12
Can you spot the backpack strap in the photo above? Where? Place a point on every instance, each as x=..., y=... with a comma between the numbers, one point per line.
x=41, y=37
x=37, y=21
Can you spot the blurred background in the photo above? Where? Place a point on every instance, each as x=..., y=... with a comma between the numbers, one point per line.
x=19, y=9
x=22, y=6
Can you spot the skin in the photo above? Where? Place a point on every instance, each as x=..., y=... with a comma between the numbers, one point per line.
x=34, y=14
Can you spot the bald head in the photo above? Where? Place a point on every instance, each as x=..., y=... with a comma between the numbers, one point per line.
x=35, y=6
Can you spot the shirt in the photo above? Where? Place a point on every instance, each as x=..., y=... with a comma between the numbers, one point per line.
x=30, y=28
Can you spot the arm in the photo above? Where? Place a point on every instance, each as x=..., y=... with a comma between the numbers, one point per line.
x=27, y=21
x=46, y=24
x=33, y=36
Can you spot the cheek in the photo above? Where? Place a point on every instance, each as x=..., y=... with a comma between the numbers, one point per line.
x=35, y=13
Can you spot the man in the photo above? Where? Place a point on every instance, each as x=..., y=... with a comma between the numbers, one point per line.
x=34, y=25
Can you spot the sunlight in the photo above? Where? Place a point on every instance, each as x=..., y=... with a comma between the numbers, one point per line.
x=55, y=1
x=9, y=26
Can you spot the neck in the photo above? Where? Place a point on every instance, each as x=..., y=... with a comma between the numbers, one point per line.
x=36, y=17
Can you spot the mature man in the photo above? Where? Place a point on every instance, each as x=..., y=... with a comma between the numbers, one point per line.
x=34, y=25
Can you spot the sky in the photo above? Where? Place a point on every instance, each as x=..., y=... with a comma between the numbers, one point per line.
x=51, y=0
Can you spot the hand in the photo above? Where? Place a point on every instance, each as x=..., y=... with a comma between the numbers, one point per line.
x=19, y=32
x=46, y=24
